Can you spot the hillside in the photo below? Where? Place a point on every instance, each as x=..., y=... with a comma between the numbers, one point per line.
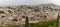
x=36, y=13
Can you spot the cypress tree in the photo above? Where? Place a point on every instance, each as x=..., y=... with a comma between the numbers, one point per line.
x=57, y=22
x=26, y=22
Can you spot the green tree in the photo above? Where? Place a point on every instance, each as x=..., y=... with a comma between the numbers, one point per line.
x=45, y=16
x=36, y=10
x=57, y=22
x=15, y=19
x=2, y=12
x=26, y=22
x=9, y=11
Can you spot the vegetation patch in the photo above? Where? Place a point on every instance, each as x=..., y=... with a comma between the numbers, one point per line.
x=15, y=19
x=2, y=12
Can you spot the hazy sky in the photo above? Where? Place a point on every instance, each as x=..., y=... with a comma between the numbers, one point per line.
x=26, y=2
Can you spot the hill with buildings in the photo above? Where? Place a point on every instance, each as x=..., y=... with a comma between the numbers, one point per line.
x=36, y=13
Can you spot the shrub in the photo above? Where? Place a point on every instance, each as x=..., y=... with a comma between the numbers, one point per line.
x=1, y=12
x=36, y=10
x=15, y=19
x=9, y=11
x=45, y=24
x=2, y=16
